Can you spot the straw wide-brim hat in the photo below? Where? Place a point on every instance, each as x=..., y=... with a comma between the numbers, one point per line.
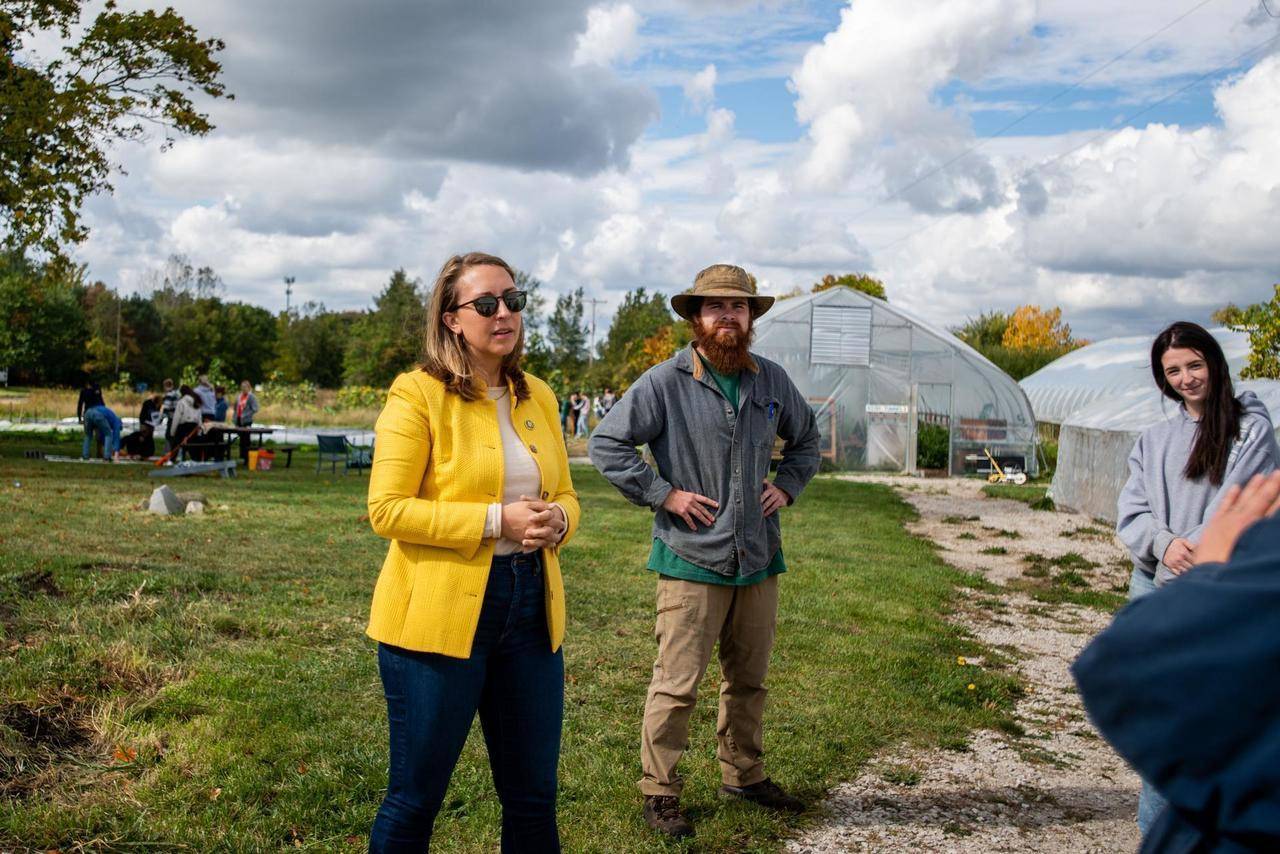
x=721, y=280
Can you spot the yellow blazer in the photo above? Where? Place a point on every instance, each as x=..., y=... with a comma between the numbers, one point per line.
x=437, y=466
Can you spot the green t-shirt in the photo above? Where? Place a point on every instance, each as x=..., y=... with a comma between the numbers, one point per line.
x=666, y=562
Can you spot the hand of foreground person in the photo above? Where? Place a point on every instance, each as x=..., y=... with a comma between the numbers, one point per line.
x=1238, y=509
x=689, y=506
x=517, y=516
x=547, y=525
x=1180, y=556
x=773, y=499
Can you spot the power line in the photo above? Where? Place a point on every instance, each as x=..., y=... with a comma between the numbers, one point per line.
x=981, y=143
x=1267, y=9
x=1102, y=134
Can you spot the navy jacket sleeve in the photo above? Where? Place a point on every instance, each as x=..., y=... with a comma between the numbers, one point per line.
x=1185, y=684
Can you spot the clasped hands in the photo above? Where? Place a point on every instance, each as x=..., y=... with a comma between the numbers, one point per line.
x=533, y=524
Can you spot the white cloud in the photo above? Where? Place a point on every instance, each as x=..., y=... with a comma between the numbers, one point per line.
x=612, y=35
x=700, y=89
x=1165, y=201
x=873, y=80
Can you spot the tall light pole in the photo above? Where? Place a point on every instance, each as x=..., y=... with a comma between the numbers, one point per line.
x=288, y=291
x=591, y=353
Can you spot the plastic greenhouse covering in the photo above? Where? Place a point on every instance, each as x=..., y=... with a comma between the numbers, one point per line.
x=1104, y=396
x=885, y=384
x=1106, y=370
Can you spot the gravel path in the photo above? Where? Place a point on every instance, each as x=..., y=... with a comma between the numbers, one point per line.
x=1055, y=788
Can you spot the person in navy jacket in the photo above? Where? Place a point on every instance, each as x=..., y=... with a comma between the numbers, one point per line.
x=1185, y=684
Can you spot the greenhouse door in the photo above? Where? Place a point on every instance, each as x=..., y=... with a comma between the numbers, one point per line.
x=930, y=424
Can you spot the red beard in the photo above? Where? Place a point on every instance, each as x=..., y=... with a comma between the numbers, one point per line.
x=726, y=349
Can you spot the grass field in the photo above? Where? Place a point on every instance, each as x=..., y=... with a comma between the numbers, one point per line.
x=204, y=683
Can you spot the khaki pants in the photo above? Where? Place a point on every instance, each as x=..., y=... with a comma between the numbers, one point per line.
x=691, y=618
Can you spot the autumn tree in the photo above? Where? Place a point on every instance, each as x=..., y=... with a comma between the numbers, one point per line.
x=868, y=285
x=620, y=360
x=1262, y=322
x=60, y=117
x=1021, y=342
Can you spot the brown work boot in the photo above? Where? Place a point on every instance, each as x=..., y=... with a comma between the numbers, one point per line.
x=663, y=814
x=766, y=793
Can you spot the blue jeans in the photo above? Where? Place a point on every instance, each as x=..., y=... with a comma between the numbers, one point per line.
x=96, y=422
x=1150, y=802
x=516, y=683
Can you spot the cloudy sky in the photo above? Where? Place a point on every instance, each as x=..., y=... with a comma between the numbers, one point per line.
x=1118, y=161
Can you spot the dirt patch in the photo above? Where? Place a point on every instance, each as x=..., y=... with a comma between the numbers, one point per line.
x=1050, y=784
x=35, y=582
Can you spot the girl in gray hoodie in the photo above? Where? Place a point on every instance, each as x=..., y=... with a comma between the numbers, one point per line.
x=1181, y=466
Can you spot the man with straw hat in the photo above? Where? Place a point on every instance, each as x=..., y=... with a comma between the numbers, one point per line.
x=709, y=416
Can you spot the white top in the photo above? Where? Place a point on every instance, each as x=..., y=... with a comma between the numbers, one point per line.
x=520, y=474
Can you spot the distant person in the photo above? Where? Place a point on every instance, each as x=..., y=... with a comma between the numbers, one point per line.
x=151, y=414
x=709, y=416
x=573, y=414
x=187, y=417
x=97, y=427
x=170, y=402
x=582, y=411
x=208, y=398
x=90, y=396
x=607, y=401
x=142, y=442
x=597, y=407
x=220, y=404
x=566, y=408
x=468, y=610
x=1181, y=466
x=1184, y=684
x=245, y=411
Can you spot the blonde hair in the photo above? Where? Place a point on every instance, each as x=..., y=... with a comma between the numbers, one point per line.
x=444, y=353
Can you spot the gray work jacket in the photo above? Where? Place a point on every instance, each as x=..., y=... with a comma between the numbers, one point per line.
x=701, y=445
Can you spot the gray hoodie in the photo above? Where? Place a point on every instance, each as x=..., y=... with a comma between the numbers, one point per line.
x=1158, y=503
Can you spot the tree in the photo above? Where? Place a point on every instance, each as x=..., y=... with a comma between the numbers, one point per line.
x=984, y=331
x=387, y=340
x=42, y=322
x=59, y=119
x=537, y=352
x=1032, y=328
x=869, y=285
x=1019, y=343
x=1262, y=322
x=567, y=337
x=311, y=344
x=1229, y=315
x=640, y=316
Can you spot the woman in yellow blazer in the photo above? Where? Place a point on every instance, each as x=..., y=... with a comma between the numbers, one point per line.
x=470, y=482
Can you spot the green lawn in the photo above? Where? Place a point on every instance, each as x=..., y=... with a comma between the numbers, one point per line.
x=205, y=681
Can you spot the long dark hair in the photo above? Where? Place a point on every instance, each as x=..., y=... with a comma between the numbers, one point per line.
x=1220, y=422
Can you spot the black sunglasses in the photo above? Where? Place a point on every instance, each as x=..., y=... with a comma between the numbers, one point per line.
x=487, y=305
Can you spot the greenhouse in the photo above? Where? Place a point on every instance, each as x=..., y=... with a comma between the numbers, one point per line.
x=1103, y=396
x=893, y=392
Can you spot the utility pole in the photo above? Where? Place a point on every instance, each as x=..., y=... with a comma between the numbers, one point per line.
x=288, y=291
x=591, y=353
x=118, y=301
